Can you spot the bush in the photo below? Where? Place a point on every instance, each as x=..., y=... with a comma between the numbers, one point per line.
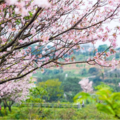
x=84, y=72
x=88, y=112
x=93, y=71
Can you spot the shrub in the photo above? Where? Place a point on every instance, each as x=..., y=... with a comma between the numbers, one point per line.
x=93, y=71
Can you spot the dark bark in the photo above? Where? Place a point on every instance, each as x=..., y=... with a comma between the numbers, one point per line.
x=9, y=107
x=2, y=1
x=5, y=105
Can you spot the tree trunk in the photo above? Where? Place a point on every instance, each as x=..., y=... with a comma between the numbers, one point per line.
x=9, y=107
x=5, y=108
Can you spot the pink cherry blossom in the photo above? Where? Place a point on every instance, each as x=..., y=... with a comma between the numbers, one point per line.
x=33, y=31
x=86, y=85
x=59, y=29
x=20, y=41
x=42, y=3
x=11, y=2
x=16, y=90
x=36, y=47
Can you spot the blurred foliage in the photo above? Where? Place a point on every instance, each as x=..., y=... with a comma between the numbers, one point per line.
x=103, y=85
x=89, y=112
x=93, y=71
x=106, y=100
x=82, y=96
x=53, y=88
x=84, y=71
x=71, y=87
x=109, y=101
x=36, y=95
x=102, y=48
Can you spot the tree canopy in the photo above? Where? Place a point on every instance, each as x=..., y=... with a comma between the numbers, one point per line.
x=62, y=24
x=53, y=88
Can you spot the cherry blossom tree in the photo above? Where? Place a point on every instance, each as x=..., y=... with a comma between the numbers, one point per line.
x=15, y=91
x=63, y=24
x=86, y=85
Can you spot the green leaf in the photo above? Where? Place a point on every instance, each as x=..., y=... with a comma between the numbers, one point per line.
x=103, y=93
x=115, y=96
x=82, y=96
x=30, y=13
x=103, y=85
x=17, y=21
x=105, y=108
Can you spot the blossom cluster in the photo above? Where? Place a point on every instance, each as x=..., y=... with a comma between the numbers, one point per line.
x=86, y=85
x=24, y=6
x=16, y=91
x=56, y=29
